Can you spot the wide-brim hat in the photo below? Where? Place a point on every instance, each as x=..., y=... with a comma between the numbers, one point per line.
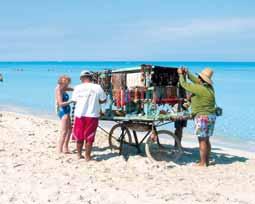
x=206, y=75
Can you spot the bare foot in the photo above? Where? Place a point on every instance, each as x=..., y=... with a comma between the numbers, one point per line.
x=66, y=151
x=201, y=165
x=88, y=158
x=81, y=157
x=59, y=151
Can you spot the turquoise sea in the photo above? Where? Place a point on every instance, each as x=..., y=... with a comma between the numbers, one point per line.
x=29, y=87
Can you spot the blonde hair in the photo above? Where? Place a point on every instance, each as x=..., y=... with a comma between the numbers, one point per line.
x=64, y=79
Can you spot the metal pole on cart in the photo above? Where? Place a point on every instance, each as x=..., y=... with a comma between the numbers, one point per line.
x=179, y=124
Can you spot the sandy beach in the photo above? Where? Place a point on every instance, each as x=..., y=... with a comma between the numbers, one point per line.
x=32, y=172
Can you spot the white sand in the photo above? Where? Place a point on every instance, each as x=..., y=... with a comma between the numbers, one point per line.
x=32, y=172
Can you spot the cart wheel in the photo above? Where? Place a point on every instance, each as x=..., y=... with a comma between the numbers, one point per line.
x=117, y=132
x=163, y=148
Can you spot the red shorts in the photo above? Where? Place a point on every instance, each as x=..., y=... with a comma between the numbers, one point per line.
x=85, y=129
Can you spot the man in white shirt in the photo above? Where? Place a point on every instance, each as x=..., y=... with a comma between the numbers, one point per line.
x=88, y=97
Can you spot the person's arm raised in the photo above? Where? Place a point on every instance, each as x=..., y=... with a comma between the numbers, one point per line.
x=192, y=88
x=192, y=77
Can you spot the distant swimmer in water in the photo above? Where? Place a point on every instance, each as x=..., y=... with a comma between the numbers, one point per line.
x=63, y=111
x=1, y=78
x=19, y=70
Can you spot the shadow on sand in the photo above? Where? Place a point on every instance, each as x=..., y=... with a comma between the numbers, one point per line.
x=103, y=153
x=190, y=155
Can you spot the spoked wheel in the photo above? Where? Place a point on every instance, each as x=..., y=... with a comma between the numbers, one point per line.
x=120, y=132
x=163, y=148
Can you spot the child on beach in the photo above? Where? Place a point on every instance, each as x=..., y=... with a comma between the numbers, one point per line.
x=63, y=112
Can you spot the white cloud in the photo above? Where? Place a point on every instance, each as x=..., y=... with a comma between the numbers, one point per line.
x=200, y=28
x=168, y=40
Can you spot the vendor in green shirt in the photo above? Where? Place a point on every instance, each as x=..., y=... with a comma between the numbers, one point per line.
x=203, y=108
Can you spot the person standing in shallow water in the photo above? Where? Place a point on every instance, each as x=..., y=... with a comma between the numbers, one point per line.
x=203, y=108
x=63, y=112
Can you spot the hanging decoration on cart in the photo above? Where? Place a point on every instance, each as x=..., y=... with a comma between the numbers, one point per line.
x=141, y=92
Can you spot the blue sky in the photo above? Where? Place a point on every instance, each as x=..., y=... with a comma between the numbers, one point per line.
x=198, y=30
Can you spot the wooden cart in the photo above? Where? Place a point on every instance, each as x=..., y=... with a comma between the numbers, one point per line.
x=160, y=143
x=136, y=95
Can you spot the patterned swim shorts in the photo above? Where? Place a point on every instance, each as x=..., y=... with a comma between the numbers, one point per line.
x=204, y=125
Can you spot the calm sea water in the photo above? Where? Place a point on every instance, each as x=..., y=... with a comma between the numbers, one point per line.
x=30, y=86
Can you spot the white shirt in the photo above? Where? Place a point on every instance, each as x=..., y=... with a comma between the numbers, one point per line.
x=87, y=96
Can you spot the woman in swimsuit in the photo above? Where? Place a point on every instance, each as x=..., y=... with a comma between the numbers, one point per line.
x=63, y=111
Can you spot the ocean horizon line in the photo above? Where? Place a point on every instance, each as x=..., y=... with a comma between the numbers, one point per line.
x=86, y=61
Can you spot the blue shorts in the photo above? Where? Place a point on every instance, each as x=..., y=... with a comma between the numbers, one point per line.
x=64, y=111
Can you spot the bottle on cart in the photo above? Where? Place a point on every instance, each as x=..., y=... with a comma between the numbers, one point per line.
x=108, y=106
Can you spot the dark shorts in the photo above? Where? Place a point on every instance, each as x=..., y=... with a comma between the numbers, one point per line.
x=180, y=124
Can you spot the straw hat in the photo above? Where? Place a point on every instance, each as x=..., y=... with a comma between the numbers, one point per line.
x=206, y=75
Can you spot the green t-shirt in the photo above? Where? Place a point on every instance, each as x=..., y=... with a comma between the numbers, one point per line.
x=203, y=97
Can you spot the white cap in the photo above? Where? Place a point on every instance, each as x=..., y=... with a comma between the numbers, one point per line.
x=86, y=73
